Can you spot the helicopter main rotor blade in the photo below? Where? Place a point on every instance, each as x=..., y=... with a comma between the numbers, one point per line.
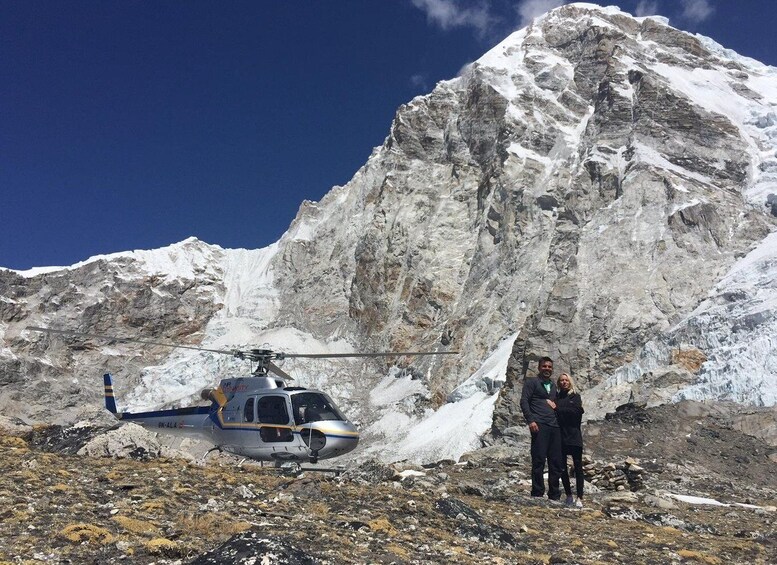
x=262, y=356
x=126, y=339
x=385, y=354
x=278, y=371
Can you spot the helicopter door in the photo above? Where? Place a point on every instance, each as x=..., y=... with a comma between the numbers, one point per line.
x=272, y=410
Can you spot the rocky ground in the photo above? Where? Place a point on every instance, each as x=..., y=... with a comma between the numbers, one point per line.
x=60, y=507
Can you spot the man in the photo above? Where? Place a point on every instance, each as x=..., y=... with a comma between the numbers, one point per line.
x=538, y=404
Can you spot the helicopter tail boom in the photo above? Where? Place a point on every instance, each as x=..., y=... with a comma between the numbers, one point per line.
x=187, y=421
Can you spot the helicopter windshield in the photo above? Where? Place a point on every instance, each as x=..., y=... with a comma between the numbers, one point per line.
x=314, y=407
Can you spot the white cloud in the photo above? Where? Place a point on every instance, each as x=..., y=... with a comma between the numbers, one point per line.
x=530, y=9
x=696, y=11
x=420, y=81
x=450, y=14
x=646, y=8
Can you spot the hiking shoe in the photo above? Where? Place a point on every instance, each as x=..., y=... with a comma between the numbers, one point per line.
x=578, y=503
x=569, y=501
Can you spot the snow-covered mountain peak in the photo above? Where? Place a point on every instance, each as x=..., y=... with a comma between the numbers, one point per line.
x=178, y=260
x=544, y=64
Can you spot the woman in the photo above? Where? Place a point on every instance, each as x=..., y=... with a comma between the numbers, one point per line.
x=569, y=412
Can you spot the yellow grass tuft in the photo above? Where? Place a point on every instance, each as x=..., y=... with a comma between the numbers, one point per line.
x=135, y=526
x=162, y=546
x=398, y=550
x=238, y=527
x=591, y=516
x=25, y=475
x=153, y=505
x=20, y=513
x=670, y=530
x=318, y=509
x=212, y=526
x=78, y=533
x=13, y=442
x=48, y=459
x=178, y=489
x=382, y=525
x=698, y=556
x=198, y=525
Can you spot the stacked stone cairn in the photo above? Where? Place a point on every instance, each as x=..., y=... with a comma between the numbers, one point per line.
x=625, y=475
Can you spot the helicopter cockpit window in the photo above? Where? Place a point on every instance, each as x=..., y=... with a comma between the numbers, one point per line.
x=272, y=410
x=248, y=410
x=314, y=407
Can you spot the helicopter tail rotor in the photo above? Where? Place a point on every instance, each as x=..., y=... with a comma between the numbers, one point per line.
x=110, y=401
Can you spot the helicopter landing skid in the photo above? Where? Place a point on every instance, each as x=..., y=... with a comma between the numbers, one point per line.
x=290, y=468
x=295, y=469
x=201, y=460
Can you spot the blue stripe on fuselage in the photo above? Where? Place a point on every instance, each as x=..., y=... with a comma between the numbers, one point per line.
x=193, y=410
x=354, y=437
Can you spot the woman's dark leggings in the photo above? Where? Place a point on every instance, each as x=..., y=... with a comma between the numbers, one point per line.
x=577, y=459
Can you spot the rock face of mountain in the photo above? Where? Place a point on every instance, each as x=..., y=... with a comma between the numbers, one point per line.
x=172, y=293
x=582, y=191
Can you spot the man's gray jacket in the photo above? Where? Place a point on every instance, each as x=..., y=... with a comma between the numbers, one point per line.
x=534, y=405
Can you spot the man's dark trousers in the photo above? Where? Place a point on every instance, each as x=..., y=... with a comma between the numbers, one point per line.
x=546, y=446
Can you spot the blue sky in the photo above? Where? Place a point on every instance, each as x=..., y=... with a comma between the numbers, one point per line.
x=136, y=124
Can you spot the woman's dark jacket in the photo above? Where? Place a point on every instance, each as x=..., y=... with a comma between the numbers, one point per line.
x=569, y=413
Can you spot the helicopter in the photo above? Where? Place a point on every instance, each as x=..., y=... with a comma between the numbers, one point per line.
x=259, y=417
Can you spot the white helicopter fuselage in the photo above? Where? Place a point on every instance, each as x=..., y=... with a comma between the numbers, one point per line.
x=256, y=417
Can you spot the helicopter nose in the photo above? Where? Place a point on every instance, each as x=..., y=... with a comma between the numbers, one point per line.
x=347, y=438
x=331, y=438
